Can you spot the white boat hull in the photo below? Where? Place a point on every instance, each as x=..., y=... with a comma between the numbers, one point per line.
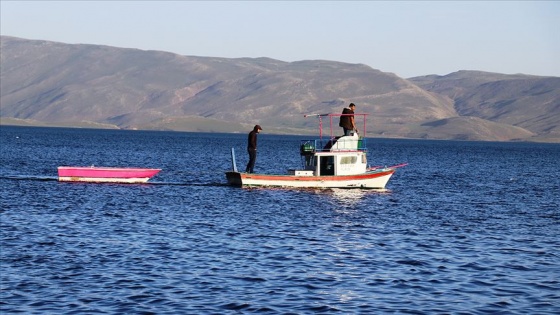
x=371, y=180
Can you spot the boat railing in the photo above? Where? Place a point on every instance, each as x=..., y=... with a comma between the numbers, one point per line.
x=333, y=125
x=332, y=143
x=310, y=147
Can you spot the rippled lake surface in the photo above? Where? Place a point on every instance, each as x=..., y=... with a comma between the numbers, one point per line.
x=465, y=228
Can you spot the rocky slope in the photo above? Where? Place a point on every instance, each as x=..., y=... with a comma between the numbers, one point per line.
x=52, y=83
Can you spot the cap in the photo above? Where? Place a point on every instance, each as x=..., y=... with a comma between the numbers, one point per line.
x=257, y=127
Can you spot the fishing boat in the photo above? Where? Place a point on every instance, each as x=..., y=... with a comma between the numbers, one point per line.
x=327, y=162
x=105, y=174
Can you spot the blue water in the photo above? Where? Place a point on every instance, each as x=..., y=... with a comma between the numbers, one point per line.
x=465, y=228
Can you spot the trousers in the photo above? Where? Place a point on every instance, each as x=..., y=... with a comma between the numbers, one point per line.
x=252, y=159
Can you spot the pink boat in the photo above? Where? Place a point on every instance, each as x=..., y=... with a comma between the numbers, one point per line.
x=105, y=174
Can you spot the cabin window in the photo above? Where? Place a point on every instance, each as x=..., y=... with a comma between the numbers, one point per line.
x=327, y=165
x=348, y=159
x=310, y=162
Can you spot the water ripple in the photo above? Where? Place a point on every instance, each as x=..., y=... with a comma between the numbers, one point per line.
x=439, y=241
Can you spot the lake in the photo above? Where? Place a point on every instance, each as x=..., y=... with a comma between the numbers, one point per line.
x=465, y=228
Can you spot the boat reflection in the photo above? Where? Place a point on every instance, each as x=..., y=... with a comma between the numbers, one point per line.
x=351, y=196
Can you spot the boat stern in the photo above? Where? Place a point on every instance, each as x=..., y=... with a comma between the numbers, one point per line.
x=234, y=178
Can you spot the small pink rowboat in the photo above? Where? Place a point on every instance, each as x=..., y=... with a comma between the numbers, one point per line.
x=94, y=174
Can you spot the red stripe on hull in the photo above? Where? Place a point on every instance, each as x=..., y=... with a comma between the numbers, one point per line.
x=374, y=180
x=314, y=178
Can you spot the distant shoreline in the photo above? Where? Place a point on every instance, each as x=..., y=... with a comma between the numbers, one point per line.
x=43, y=125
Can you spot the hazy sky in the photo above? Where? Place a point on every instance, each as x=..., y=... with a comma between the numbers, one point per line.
x=408, y=38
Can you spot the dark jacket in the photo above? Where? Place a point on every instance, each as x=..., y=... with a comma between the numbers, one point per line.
x=346, y=121
x=252, y=140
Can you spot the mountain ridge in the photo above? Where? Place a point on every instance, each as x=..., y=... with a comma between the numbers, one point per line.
x=66, y=84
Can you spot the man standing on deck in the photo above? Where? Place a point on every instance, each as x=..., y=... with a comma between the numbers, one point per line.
x=347, y=119
x=252, y=148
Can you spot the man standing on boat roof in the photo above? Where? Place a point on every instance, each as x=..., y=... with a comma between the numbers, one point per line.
x=347, y=119
x=252, y=148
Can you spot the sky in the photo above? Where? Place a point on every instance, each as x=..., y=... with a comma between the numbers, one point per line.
x=408, y=38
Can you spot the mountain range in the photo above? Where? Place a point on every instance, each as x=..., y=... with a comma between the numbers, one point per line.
x=44, y=83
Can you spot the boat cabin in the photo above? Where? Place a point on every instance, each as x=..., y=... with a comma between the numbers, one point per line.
x=333, y=156
x=339, y=156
